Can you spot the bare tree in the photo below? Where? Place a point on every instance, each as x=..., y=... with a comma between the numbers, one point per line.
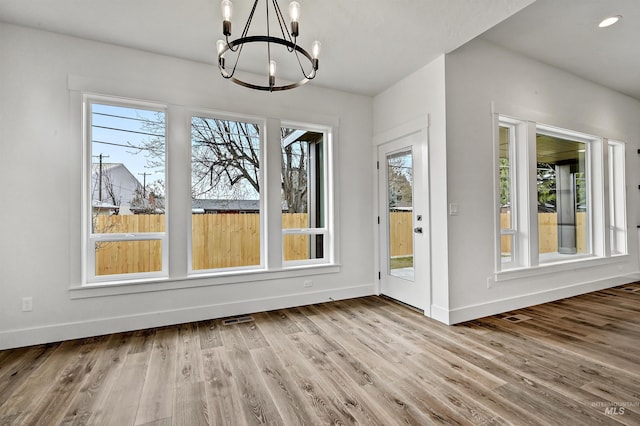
x=226, y=160
x=294, y=173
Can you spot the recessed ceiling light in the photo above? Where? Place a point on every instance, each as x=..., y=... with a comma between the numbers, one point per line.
x=607, y=22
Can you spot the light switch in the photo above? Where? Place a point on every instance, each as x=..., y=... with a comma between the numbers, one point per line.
x=453, y=209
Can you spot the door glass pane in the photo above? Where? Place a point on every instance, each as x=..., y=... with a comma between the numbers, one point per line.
x=563, y=230
x=400, y=213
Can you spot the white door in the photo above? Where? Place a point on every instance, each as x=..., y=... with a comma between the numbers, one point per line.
x=404, y=220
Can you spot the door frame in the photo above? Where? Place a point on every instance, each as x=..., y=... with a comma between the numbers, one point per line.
x=419, y=125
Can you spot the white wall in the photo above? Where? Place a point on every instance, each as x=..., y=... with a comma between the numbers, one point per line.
x=414, y=97
x=41, y=193
x=478, y=74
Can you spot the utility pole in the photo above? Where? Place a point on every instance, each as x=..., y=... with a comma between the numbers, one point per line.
x=144, y=184
x=100, y=157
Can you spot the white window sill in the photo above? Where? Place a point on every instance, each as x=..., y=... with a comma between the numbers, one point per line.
x=114, y=288
x=553, y=268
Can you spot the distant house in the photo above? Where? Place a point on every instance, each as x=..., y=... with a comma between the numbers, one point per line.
x=212, y=206
x=225, y=206
x=115, y=190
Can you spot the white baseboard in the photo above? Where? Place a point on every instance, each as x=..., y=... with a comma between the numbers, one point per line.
x=439, y=313
x=468, y=313
x=75, y=330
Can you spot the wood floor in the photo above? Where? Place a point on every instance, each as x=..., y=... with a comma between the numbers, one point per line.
x=365, y=361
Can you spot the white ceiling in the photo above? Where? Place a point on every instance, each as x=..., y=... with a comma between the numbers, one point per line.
x=565, y=34
x=367, y=45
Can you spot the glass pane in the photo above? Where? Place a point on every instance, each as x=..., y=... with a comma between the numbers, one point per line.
x=228, y=240
x=302, y=177
x=505, y=179
x=225, y=192
x=128, y=257
x=400, y=218
x=302, y=192
x=127, y=170
x=506, y=248
x=303, y=246
x=563, y=229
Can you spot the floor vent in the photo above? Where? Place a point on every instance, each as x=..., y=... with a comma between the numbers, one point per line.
x=238, y=320
x=631, y=289
x=516, y=318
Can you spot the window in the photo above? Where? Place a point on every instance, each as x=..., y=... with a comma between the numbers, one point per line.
x=551, y=205
x=231, y=227
x=225, y=193
x=303, y=194
x=563, y=195
x=126, y=195
x=617, y=197
x=507, y=217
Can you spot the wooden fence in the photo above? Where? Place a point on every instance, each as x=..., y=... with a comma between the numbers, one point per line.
x=400, y=234
x=218, y=241
x=233, y=240
x=548, y=232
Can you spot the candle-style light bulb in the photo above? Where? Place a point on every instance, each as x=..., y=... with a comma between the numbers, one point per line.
x=315, y=52
x=315, y=49
x=227, y=11
x=294, y=10
x=220, y=45
x=294, y=13
x=272, y=73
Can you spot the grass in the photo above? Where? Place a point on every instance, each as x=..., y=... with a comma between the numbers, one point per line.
x=401, y=262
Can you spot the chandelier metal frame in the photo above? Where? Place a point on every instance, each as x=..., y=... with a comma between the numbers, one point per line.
x=288, y=40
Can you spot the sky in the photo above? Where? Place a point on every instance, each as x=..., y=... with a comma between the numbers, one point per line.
x=117, y=131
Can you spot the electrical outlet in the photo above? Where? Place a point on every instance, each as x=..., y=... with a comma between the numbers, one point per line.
x=308, y=283
x=27, y=304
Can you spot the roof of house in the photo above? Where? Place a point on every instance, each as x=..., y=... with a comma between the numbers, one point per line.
x=226, y=205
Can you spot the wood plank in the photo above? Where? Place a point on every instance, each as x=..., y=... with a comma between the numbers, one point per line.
x=158, y=392
x=18, y=366
x=256, y=402
x=97, y=384
x=37, y=385
x=121, y=404
x=221, y=389
x=51, y=407
x=190, y=408
x=209, y=334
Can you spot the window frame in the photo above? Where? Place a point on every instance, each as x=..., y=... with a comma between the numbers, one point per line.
x=327, y=230
x=89, y=237
x=513, y=230
x=262, y=181
x=617, y=198
x=591, y=179
x=600, y=217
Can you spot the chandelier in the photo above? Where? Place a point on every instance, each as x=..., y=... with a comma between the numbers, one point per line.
x=288, y=41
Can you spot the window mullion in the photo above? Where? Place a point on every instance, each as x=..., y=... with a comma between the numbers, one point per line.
x=529, y=200
x=273, y=219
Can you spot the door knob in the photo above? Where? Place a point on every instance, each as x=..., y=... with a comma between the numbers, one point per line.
x=418, y=230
